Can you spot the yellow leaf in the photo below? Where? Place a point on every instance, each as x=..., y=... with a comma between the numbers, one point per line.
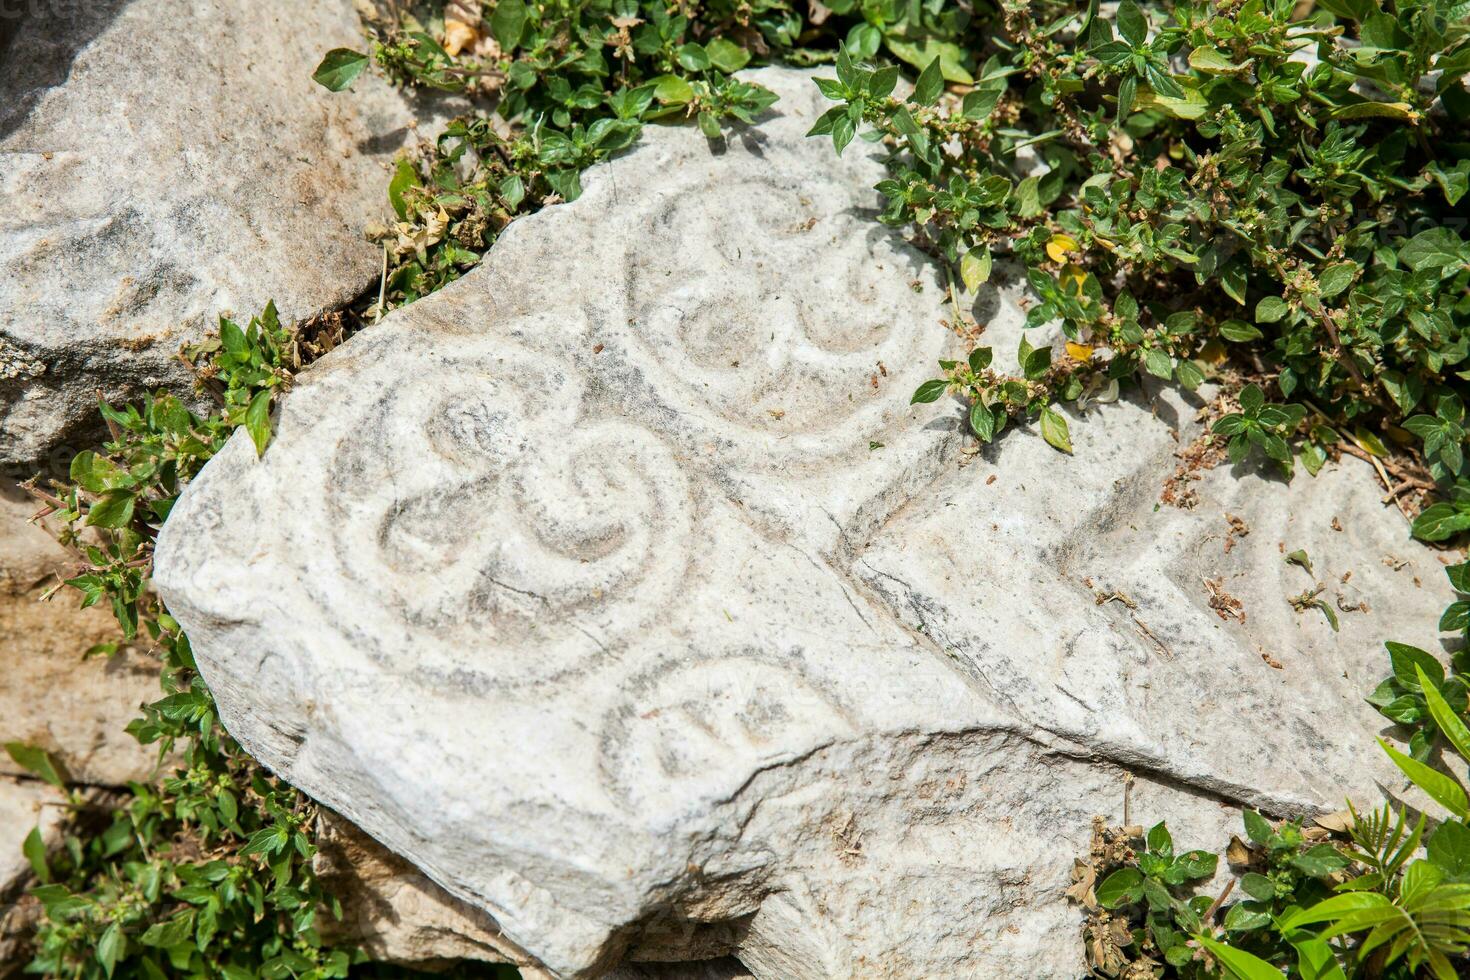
x=1212, y=352
x=458, y=36
x=1073, y=276
x=1079, y=352
x=1401, y=111
x=1369, y=442
x=1059, y=246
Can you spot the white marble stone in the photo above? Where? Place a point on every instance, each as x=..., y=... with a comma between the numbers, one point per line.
x=619, y=587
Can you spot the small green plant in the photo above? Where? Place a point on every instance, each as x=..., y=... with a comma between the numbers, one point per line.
x=1374, y=905
x=569, y=83
x=1203, y=191
x=205, y=870
x=1401, y=696
x=1259, y=425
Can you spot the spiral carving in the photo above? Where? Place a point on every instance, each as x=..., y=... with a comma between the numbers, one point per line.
x=480, y=509
x=782, y=331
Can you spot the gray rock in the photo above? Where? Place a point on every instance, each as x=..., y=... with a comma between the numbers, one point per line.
x=162, y=162
x=619, y=588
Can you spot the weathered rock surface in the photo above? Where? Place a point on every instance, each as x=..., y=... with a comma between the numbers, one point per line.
x=161, y=162
x=619, y=588
x=49, y=695
x=394, y=912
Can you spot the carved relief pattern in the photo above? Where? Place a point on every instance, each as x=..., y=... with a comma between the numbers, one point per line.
x=780, y=328
x=498, y=517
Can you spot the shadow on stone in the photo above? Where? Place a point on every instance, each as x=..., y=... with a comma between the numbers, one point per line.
x=39, y=40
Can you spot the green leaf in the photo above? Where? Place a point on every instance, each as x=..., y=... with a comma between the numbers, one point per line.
x=1456, y=617
x=1336, y=278
x=513, y=191
x=975, y=267
x=34, y=850
x=672, y=90
x=882, y=82
x=1444, y=716
x=1410, y=662
x=1160, y=841
x=1441, y=788
x=111, y=947
x=171, y=931
x=1398, y=111
x=404, y=177
x=232, y=340
x=1454, y=182
x=1188, y=104
x=1335, y=908
x=1159, y=363
x=843, y=130
x=1440, y=521
x=1247, y=916
x=1054, y=429
x=982, y=422
x=339, y=68
x=930, y=84
x=1212, y=61
x=36, y=761
x=1449, y=848
x=727, y=56
x=1256, y=827
x=692, y=56
x=114, y=510
x=1434, y=248
x=1252, y=398
x=1242, y=965
x=1316, y=960
x=951, y=57
x=258, y=420
x=1239, y=332
x=1132, y=24
x=929, y=391
x=1127, y=96
x=1258, y=886
x=508, y=23
x=1122, y=886
x=1320, y=861
x=1192, y=865
x=1271, y=309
